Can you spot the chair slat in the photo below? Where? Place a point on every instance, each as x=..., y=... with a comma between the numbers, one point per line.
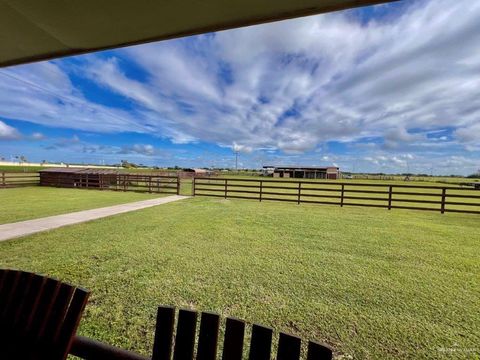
x=288, y=347
x=22, y=300
x=47, y=298
x=162, y=346
x=20, y=345
x=208, y=338
x=3, y=274
x=8, y=292
x=11, y=309
x=30, y=305
x=58, y=312
x=185, y=339
x=261, y=343
x=234, y=337
x=319, y=351
x=64, y=336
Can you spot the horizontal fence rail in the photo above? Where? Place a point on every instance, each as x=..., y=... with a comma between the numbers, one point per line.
x=8, y=180
x=389, y=196
x=114, y=181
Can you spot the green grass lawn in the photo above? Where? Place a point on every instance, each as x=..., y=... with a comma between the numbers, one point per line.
x=372, y=283
x=26, y=203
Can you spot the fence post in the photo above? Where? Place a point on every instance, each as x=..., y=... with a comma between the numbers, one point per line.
x=390, y=189
x=261, y=188
x=444, y=193
x=299, y=192
x=178, y=184
x=3, y=179
x=343, y=191
x=226, y=188
x=193, y=186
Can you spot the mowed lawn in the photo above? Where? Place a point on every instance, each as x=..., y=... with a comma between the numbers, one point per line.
x=27, y=203
x=374, y=284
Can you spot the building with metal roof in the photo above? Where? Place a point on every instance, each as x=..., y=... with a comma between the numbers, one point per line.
x=302, y=172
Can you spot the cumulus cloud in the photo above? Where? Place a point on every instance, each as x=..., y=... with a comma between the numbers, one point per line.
x=292, y=85
x=8, y=133
x=470, y=134
x=37, y=136
x=141, y=149
x=241, y=148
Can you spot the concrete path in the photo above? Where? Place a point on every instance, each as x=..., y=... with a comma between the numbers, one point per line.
x=22, y=228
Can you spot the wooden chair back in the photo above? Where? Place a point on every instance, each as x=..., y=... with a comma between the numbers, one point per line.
x=39, y=316
x=181, y=345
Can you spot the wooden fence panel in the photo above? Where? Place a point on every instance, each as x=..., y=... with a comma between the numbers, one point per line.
x=120, y=182
x=389, y=196
x=9, y=180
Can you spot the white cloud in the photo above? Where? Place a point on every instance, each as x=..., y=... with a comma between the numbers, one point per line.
x=141, y=149
x=469, y=134
x=8, y=133
x=37, y=136
x=294, y=84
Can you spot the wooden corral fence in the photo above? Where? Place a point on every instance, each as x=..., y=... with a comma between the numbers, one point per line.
x=389, y=196
x=18, y=179
x=151, y=183
x=114, y=181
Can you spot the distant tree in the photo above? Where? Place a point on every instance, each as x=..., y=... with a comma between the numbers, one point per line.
x=126, y=164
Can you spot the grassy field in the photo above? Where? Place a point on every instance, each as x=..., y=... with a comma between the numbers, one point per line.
x=372, y=283
x=26, y=203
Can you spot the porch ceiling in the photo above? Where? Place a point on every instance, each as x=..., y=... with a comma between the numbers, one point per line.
x=32, y=30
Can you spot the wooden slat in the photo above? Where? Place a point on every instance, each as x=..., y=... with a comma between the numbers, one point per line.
x=47, y=299
x=288, y=347
x=234, y=337
x=261, y=343
x=3, y=275
x=64, y=336
x=319, y=351
x=12, y=311
x=185, y=338
x=162, y=346
x=8, y=292
x=208, y=338
x=29, y=305
x=58, y=312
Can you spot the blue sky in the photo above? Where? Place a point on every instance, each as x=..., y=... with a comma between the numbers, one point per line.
x=390, y=88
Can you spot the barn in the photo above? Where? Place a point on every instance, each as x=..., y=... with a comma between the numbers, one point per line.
x=303, y=172
x=195, y=172
x=78, y=177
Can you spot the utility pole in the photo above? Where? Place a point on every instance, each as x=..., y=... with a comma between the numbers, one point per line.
x=236, y=160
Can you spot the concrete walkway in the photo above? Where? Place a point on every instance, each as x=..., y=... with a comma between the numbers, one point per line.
x=22, y=228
